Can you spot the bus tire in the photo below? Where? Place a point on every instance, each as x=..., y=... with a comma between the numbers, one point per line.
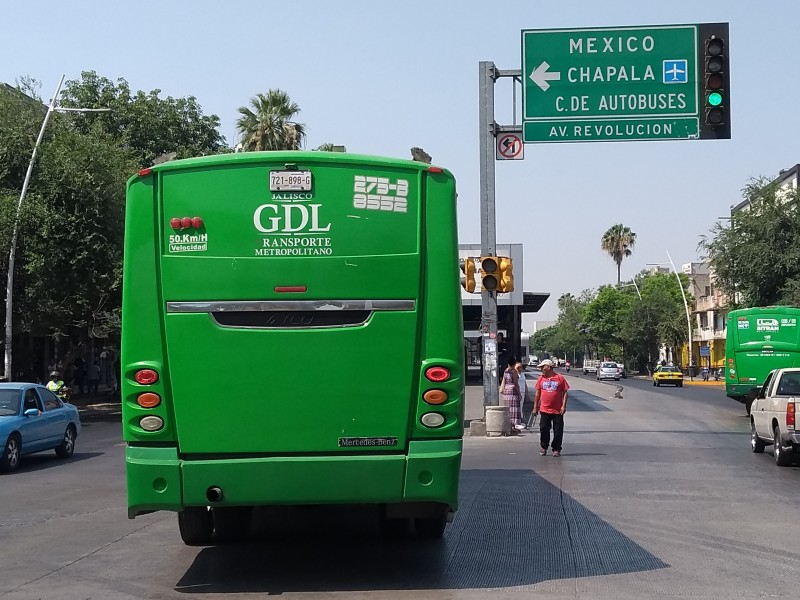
x=231, y=523
x=430, y=528
x=748, y=404
x=196, y=525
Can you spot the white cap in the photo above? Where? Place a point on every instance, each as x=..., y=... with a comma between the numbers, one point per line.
x=546, y=361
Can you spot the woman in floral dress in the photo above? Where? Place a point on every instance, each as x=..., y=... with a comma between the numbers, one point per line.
x=509, y=391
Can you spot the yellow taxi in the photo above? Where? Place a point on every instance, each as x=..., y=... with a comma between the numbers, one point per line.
x=668, y=375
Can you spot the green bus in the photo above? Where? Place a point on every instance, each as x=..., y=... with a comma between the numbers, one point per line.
x=759, y=340
x=292, y=335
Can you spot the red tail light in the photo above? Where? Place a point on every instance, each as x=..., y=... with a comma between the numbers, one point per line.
x=790, y=414
x=145, y=172
x=437, y=374
x=146, y=376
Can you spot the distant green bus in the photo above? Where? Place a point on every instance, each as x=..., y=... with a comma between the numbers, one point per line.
x=759, y=340
x=292, y=334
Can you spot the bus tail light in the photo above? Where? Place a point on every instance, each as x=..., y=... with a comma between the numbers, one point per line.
x=148, y=400
x=151, y=423
x=146, y=377
x=432, y=419
x=437, y=374
x=790, y=415
x=435, y=397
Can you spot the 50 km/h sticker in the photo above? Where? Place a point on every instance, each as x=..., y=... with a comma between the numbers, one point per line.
x=509, y=147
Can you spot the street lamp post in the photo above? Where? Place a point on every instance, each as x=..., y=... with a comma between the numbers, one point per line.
x=685, y=308
x=13, y=251
x=688, y=318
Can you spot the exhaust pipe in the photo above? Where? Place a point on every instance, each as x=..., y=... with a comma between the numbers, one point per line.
x=214, y=493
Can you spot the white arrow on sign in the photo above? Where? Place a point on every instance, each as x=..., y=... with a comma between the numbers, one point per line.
x=541, y=77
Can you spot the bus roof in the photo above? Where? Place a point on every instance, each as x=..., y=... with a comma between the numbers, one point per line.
x=780, y=310
x=289, y=156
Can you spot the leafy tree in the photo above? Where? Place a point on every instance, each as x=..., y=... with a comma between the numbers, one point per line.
x=147, y=125
x=757, y=258
x=69, y=257
x=270, y=124
x=545, y=340
x=618, y=242
x=606, y=314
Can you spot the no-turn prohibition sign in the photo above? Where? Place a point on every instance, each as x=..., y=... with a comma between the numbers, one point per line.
x=509, y=147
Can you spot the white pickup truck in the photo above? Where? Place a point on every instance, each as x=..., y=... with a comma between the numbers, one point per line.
x=773, y=416
x=590, y=366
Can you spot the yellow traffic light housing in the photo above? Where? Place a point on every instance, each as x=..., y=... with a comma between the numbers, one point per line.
x=490, y=273
x=506, y=267
x=468, y=274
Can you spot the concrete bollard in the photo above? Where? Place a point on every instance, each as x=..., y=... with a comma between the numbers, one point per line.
x=477, y=428
x=497, y=421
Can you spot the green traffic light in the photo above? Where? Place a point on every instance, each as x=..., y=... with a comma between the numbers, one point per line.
x=715, y=98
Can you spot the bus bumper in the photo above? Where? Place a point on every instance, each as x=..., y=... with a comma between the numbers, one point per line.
x=159, y=480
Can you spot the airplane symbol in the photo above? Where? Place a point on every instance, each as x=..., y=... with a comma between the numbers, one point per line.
x=675, y=71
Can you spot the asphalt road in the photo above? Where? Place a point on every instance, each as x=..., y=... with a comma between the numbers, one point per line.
x=657, y=495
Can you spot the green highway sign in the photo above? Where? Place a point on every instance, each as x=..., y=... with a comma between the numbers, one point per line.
x=610, y=130
x=613, y=83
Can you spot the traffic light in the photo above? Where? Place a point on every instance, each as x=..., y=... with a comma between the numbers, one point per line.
x=490, y=272
x=468, y=274
x=506, y=275
x=716, y=87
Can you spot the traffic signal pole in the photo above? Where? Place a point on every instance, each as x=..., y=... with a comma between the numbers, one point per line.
x=491, y=394
x=488, y=129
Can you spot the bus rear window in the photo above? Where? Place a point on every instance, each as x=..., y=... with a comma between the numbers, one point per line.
x=359, y=211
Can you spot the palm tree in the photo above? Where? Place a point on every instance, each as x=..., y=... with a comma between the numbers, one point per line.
x=270, y=125
x=618, y=241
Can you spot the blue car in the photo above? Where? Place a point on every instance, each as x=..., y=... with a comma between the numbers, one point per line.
x=33, y=419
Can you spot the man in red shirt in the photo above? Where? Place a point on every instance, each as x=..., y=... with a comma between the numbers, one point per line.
x=551, y=401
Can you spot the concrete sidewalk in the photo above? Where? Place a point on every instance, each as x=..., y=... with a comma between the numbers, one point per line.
x=103, y=406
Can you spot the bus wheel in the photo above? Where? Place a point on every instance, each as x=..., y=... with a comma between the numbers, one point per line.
x=430, y=528
x=196, y=525
x=747, y=405
x=231, y=523
x=393, y=528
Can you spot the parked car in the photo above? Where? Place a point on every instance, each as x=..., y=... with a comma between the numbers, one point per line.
x=34, y=419
x=608, y=370
x=773, y=416
x=621, y=370
x=668, y=375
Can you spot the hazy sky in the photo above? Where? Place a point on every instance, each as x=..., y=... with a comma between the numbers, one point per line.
x=381, y=77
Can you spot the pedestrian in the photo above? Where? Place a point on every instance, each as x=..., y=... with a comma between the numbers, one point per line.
x=509, y=391
x=93, y=375
x=79, y=375
x=502, y=356
x=523, y=389
x=551, y=401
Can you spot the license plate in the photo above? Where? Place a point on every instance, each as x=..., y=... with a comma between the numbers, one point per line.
x=295, y=181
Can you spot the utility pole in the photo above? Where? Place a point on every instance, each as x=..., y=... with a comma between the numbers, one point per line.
x=488, y=129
